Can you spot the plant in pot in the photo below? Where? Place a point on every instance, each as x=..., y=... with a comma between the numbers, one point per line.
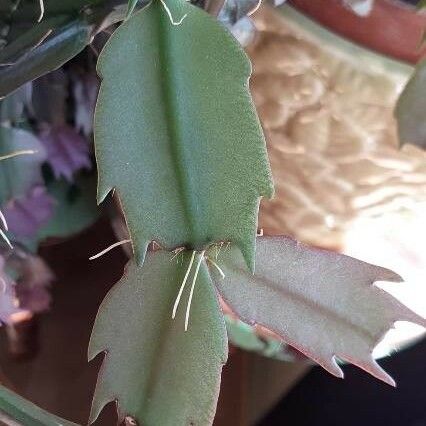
x=178, y=142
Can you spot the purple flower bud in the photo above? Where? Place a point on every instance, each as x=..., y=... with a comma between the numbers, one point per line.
x=26, y=214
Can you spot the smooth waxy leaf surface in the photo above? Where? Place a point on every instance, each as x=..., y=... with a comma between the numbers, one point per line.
x=158, y=373
x=19, y=174
x=411, y=109
x=176, y=132
x=30, y=39
x=27, y=413
x=322, y=303
x=60, y=46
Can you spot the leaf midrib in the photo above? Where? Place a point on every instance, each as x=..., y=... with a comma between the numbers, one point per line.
x=323, y=309
x=168, y=84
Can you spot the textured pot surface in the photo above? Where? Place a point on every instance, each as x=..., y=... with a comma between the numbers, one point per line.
x=327, y=109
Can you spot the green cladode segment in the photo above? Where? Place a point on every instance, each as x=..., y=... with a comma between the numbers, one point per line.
x=63, y=43
x=36, y=48
x=159, y=374
x=30, y=39
x=410, y=110
x=27, y=413
x=176, y=132
x=323, y=303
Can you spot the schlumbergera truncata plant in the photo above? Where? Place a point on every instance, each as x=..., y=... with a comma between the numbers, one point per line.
x=178, y=140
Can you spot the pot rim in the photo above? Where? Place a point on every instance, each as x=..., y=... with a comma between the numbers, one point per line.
x=393, y=28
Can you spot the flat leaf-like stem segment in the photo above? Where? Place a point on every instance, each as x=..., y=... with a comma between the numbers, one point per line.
x=56, y=46
x=25, y=412
x=323, y=303
x=176, y=132
x=410, y=111
x=159, y=374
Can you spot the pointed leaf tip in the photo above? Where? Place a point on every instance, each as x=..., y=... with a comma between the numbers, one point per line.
x=322, y=303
